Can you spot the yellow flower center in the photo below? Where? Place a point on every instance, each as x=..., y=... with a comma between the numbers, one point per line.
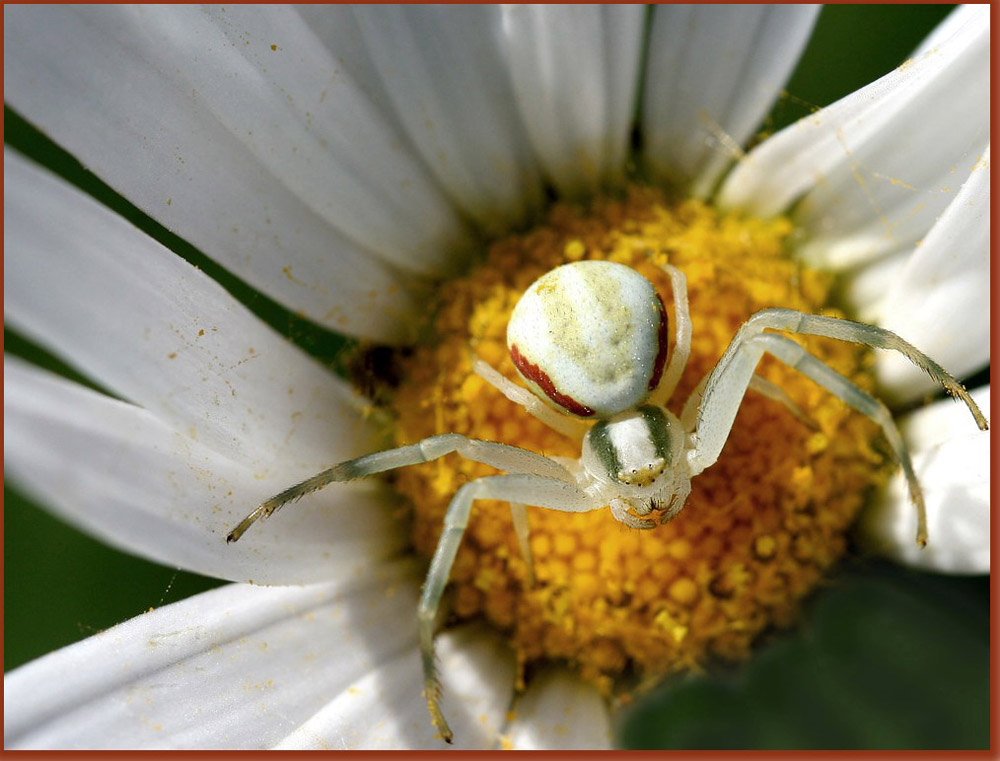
x=760, y=526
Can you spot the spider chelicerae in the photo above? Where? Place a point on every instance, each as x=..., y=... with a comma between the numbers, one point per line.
x=590, y=339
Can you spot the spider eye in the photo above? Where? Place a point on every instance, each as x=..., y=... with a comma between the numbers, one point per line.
x=590, y=337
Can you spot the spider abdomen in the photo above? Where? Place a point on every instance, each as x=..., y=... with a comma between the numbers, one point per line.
x=590, y=337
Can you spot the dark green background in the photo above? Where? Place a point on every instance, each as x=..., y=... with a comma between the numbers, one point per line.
x=887, y=658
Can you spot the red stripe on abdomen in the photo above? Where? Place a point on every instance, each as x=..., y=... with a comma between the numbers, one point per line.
x=662, y=340
x=538, y=376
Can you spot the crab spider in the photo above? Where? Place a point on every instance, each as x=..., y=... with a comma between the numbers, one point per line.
x=590, y=340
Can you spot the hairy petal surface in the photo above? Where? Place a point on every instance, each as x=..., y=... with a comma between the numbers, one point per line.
x=560, y=712
x=574, y=72
x=871, y=173
x=950, y=26
x=952, y=460
x=237, y=667
x=712, y=73
x=119, y=473
x=384, y=709
x=147, y=325
x=938, y=296
x=310, y=124
x=337, y=28
x=240, y=149
x=442, y=70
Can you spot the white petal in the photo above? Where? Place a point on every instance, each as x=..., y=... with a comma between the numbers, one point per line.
x=712, y=74
x=865, y=288
x=952, y=461
x=197, y=139
x=153, y=329
x=560, y=712
x=120, y=474
x=574, y=75
x=237, y=667
x=875, y=169
x=442, y=69
x=939, y=299
x=385, y=708
x=955, y=21
x=265, y=76
x=337, y=28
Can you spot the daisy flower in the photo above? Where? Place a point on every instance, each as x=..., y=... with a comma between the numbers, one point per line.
x=351, y=165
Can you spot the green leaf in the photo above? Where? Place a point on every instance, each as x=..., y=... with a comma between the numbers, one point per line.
x=883, y=659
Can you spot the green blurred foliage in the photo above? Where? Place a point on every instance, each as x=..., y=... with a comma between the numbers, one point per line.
x=884, y=659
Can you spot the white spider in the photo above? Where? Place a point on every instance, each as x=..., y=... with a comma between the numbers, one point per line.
x=590, y=339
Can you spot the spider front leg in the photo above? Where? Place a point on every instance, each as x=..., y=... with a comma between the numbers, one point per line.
x=521, y=488
x=730, y=379
x=764, y=387
x=533, y=479
x=500, y=456
x=793, y=321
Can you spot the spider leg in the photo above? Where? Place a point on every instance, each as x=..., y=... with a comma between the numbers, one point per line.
x=500, y=456
x=793, y=321
x=776, y=393
x=543, y=491
x=682, y=338
x=728, y=382
x=764, y=387
x=677, y=500
x=519, y=517
x=571, y=427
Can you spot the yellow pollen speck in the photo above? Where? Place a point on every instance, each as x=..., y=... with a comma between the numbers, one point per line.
x=679, y=549
x=541, y=544
x=817, y=443
x=564, y=544
x=760, y=525
x=764, y=547
x=574, y=251
x=683, y=590
x=802, y=478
